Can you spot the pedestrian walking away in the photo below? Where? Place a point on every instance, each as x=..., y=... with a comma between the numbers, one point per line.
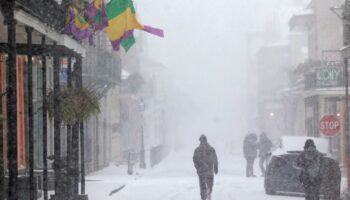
x=265, y=146
x=206, y=164
x=310, y=163
x=250, y=150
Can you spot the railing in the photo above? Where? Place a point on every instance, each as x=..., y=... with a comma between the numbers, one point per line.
x=101, y=70
x=23, y=187
x=47, y=11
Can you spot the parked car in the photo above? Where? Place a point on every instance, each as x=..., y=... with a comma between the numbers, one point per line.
x=282, y=175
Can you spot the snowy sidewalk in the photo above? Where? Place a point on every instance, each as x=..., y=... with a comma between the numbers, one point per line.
x=175, y=179
x=100, y=184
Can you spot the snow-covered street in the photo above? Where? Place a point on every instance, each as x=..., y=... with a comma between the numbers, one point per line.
x=175, y=179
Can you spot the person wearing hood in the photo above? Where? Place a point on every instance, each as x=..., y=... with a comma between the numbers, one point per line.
x=310, y=163
x=206, y=164
x=265, y=146
x=250, y=150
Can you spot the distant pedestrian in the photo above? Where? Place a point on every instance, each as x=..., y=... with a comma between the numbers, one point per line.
x=265, y=146
x=206, y=164
x=310, y=163
x=250, y=150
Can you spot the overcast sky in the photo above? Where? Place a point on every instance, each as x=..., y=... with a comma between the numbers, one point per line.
x=204, y=51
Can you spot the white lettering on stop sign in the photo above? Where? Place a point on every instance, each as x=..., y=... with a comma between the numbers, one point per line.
x=329, y=125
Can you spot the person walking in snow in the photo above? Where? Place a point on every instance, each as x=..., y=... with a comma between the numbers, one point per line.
x=310, y=163
x=206, y=164
x=265, y=146
x=250, y=150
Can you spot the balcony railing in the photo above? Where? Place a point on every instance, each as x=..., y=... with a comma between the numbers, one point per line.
x=47, y=11
x=102, y=70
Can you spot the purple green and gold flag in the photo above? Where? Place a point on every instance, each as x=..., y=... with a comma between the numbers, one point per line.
x=77, y=26
x=96, y=15
x=121, y=23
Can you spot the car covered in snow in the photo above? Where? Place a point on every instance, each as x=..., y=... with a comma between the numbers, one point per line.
x=282, y=175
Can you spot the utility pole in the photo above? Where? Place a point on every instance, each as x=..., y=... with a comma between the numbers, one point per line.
x=346, y=37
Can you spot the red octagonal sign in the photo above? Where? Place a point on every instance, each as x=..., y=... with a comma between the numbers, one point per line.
x=329, y=125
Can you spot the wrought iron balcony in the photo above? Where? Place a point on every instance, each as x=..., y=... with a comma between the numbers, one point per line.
x=47, y=11
x=102, y=70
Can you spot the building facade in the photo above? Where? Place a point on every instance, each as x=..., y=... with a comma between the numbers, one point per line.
x=319, y=78
x=32, y=47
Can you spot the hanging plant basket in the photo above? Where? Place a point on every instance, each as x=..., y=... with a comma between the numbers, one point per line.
x=76, y=105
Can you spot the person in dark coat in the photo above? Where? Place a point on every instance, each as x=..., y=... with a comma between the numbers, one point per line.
x=265, y=146
x=310, y=163
x=206, y=164
x=250, y=150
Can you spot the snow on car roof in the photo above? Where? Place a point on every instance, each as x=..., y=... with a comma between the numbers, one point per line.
x=296, y=143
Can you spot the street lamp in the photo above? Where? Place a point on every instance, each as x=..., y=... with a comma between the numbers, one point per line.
x=142, y=152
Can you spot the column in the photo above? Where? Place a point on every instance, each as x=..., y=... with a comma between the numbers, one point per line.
x=57, y=127
x=30, y=115
x=11, y=101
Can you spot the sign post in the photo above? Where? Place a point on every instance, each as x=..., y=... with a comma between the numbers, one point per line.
x=329, y=125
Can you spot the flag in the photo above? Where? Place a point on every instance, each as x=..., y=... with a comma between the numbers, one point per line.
x=121, y=23
x=77, y=26
x=95, y=14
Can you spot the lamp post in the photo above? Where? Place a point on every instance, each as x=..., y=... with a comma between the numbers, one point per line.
x=142, y=151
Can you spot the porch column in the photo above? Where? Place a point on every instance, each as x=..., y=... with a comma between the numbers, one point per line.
x=2, y=125
x=57, y=127
x=2, y=171
x=70, y=157
x=44, y=94
x=81, y=126
x=76, y=131
x=69, y=127
x=11, y=100
x=29, y=31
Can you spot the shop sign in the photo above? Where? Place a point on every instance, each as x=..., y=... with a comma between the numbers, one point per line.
x=329, y=77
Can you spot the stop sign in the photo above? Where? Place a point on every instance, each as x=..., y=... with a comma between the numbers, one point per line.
x=329, y=125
